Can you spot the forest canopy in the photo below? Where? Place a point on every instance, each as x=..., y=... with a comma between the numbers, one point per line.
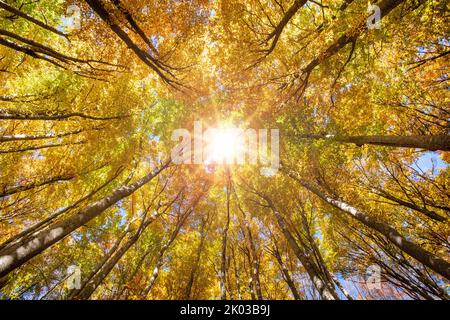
x=349, y=100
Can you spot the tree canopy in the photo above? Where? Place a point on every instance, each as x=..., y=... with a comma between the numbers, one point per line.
x=92, y=91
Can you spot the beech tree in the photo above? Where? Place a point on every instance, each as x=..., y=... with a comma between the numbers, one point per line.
x=94, y=95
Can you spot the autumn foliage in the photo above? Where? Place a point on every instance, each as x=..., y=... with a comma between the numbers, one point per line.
x=91, y=91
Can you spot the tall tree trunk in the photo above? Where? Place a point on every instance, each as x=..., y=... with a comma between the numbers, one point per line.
x=253, y=256
x=251, y=286
x=331, y=279
x=255, y=265
x=188, y=290
x=8, y=114
x=162, y=251
x=287, y=277
x=89, y=287
x=223, y=263
x=34, y=184
x=125, y=286
x=117, y=252
x=22, y=236
x=326, y=291
x=237, y=275
x=429, y=213
x=155, y=273
x=430, y=260
x=75, y=294
x=16, y=255
x=437, y=142
x=386, y=6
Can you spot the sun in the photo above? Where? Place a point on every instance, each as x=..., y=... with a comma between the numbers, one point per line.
x=223, y=145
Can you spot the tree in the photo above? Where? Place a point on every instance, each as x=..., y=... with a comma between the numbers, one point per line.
x=93, y=93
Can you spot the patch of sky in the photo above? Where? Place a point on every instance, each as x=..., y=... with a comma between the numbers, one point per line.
x=318, y=235
x=66, y=23
x=220, y=86
x=77, y=236
x=444, y=42
x=430, y=162
x=37, y=155
x=421, y=51
x=153, y=137
x=122, y=213
x=155, y=39
x=145, y=9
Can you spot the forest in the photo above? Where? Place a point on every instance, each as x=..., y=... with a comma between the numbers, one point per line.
x=343, y=191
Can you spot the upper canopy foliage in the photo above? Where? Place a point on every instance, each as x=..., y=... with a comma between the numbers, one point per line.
x=89, y=98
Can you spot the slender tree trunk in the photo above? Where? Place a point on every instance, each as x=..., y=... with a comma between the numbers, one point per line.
x=162, y=251
x=28, y=137
x=253, y=256
x=22, y=14
x=229, y=287
x=117, y=252
x=12, y=190
x=193, y=273
x=155, y=273
x=236, y=274
x=430, y=260
x=429, y=213
x=255, y=264
x=287, y=277
x=132, y=275
x=22, y=236
x=386, y=6
x=75, y=294
x=251, y=286
x=104, y=269
x=162, y=70
x=7, y=114
x=325, y=291
x=437, y=142
x=16, y=255
x=341, y=287
x=325, y=272
x=223, y=264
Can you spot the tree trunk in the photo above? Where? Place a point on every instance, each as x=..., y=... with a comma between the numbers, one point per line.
x=430, y=260
x=437, y=142
x=223, y=264
x=386, y=6
x=326, y=291
x=7, y=114
x=162, y=251
x=76, y=293
x=22, y=236
x=237, y=275
x=287, y=277
x=253, y=256
x=318, y=257
x=12, y=190
x=255, y=264
x=429, y=213
x=193, y=273
x=108, y=264
x=16, y=255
